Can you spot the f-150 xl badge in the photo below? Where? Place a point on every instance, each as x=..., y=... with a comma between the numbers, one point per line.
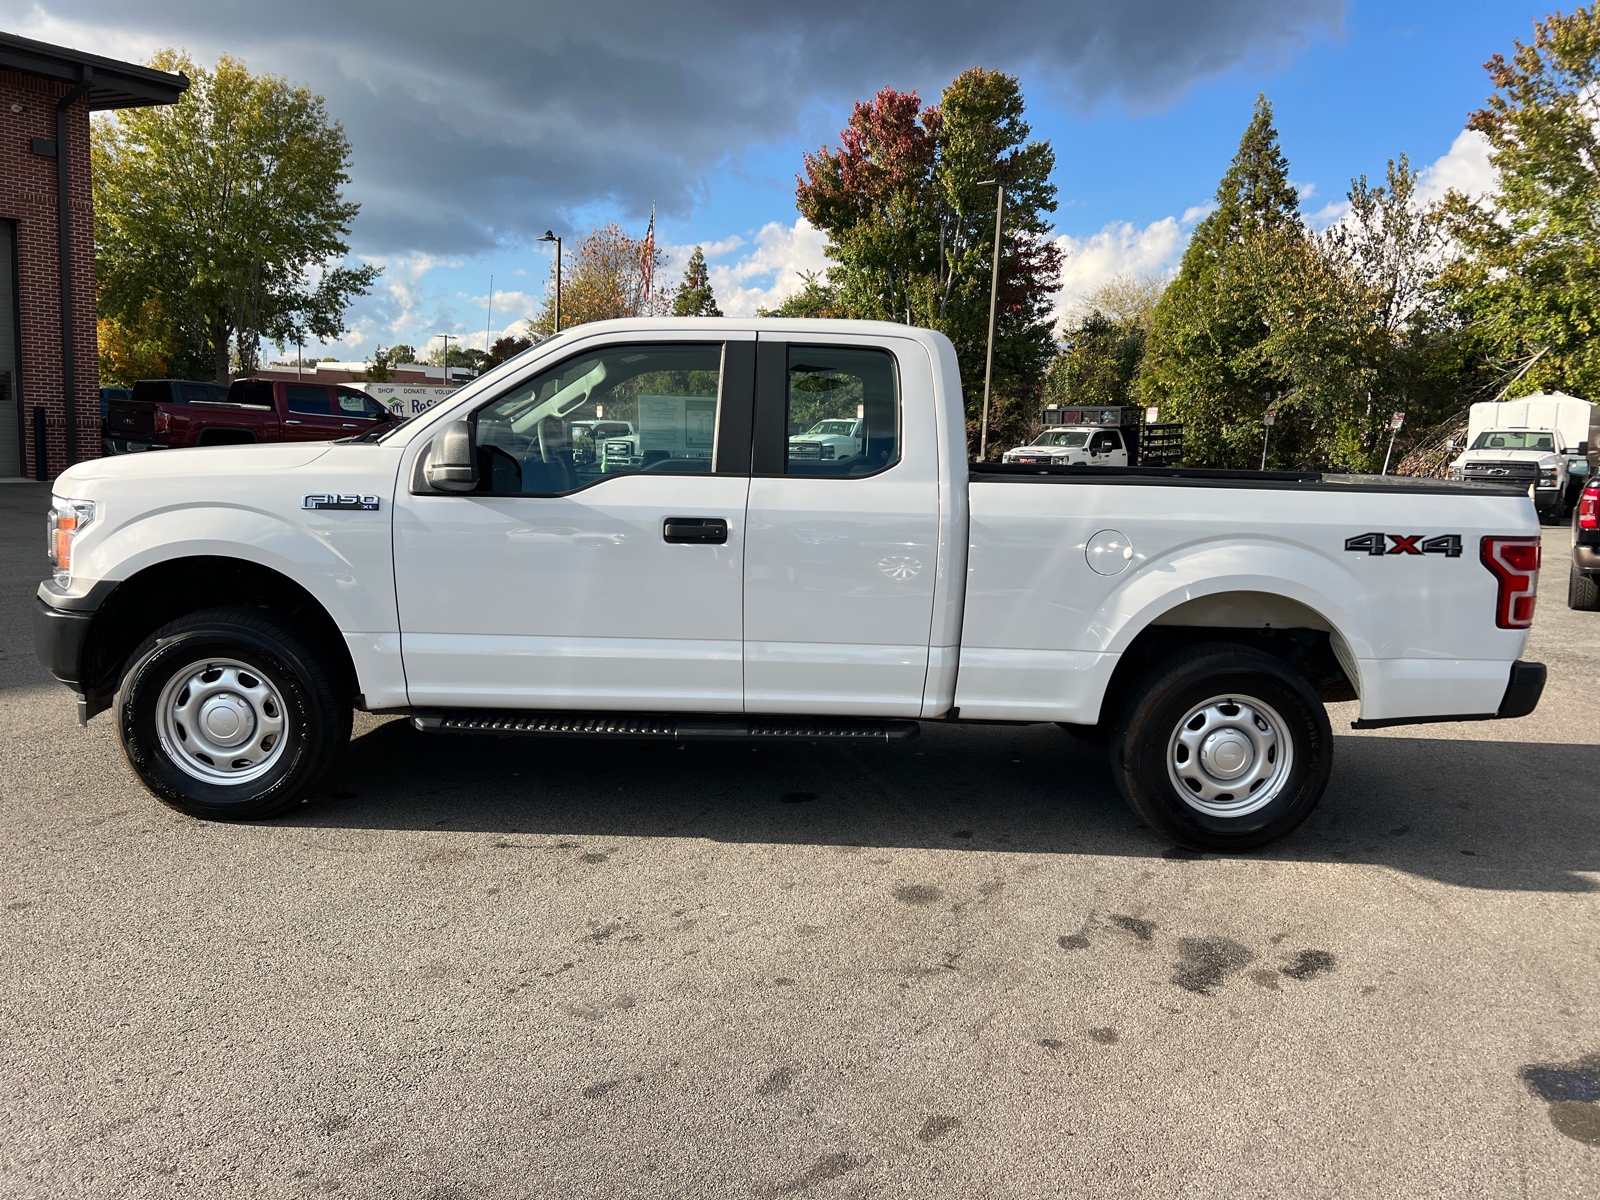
x=332, y=500
x=1447, y=544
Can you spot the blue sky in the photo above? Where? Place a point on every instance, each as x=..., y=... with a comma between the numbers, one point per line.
x=1143, y=103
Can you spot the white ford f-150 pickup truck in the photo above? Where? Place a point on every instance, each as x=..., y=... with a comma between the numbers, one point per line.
x=233, y=605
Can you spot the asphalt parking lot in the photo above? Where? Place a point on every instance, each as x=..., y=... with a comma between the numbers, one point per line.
x=956, y=967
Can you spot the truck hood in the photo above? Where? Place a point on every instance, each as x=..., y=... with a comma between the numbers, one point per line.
x=1545, y=458
x=208, y=462
x=1062, y=453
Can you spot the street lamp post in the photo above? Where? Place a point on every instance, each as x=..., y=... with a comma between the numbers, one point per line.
x=446, y=337
x=549, y=236
x=994, y=295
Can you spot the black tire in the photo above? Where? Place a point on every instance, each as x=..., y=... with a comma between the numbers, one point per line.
x=295, y=691
x=1148, y=733
x=1583, y=591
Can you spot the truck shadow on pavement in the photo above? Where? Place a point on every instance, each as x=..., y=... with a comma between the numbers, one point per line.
x=1514, y=816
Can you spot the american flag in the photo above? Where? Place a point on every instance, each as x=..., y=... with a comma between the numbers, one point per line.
x=647, y=260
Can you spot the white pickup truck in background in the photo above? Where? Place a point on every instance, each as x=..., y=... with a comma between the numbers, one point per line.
x=1063, y=447
x=1539, y=441
x=468, y=570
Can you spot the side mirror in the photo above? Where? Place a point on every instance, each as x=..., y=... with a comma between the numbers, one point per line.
x=453, y=460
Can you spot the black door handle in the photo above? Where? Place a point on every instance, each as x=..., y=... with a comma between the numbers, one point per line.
x=695, y=531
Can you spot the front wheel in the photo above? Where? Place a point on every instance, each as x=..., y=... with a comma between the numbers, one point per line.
x=1222, y=748
x=227, y=714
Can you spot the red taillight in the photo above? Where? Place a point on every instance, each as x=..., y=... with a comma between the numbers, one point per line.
x=1514, y=562
x=163, y=421
x=1589, y=507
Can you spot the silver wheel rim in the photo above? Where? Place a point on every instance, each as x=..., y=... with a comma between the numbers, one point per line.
x=222, y=721
x=1229, y=756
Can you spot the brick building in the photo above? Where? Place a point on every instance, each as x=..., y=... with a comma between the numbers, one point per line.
x=49, y=358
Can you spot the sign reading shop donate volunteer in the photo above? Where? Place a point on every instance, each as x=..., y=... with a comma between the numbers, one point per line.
x=405, y=399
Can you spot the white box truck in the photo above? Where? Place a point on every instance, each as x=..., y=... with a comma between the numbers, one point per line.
x=1539, y=441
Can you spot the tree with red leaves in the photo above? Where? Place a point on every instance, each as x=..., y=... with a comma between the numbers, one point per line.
x=911, y=232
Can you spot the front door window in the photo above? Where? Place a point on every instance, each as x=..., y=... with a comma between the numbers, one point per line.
x=620, y=410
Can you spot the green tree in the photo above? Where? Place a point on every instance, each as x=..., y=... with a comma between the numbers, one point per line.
x=817, y=298
x=507, y=347
x=1204, y=363
x=604, y=278
x=227, y=207
x=1527, y=279
x=1102, y=349
x=694, y=297
x=142, y=350
x=911, y=231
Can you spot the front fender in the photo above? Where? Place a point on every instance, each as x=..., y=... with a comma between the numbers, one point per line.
x=341, y=558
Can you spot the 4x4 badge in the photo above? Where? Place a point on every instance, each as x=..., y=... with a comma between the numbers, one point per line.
x=1376, y=544
x=340, y=501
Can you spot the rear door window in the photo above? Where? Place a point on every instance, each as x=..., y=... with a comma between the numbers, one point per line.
x=305, y=399
x=196, y=393
x=256, y=393
x=843, y=411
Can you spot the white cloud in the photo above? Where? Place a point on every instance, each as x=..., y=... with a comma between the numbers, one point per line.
x=718, y=249
x=1121, y=248
x=1330, y=213
x=1198, y=212
x=770, y=272
x=1465, y=169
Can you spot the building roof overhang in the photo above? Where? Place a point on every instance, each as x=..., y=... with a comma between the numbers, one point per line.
x=112, y=83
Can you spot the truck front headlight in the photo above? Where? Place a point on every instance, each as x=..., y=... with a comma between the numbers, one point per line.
x=68, y=518
x=1549, y=476
x=1457, y=474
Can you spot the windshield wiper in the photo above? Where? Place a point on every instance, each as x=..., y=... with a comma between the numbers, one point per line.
x=373, y=435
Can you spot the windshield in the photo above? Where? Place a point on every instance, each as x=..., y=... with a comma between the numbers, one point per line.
x=1071, y=439
x=1503, y=440
x=834, y=428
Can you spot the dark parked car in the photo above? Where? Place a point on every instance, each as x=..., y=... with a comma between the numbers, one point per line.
x=1583, y=585
x=130, y=418
x=107, y=395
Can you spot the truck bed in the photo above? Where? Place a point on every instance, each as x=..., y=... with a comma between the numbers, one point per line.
x=1060, y=579
x=991, y=472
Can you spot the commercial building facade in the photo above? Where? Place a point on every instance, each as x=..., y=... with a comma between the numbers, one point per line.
x=49, y=359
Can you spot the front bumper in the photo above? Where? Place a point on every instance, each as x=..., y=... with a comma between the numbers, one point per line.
x=59, y=637
x=1523, y=689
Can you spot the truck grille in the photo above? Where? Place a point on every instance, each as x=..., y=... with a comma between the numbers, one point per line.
x=1502, y=472
x=805, y=450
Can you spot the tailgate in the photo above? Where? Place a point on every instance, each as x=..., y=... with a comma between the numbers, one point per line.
x=131, y=419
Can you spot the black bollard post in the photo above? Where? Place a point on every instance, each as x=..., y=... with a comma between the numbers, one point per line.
x=41, y=469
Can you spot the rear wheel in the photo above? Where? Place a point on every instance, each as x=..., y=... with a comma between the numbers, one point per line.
x=227, y=714
x=1223, y=748
x=1583, y=591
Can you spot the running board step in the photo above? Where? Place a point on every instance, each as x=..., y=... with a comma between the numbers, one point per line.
x=665, y=726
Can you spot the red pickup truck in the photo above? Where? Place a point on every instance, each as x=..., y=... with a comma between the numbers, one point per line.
x=166, y=414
